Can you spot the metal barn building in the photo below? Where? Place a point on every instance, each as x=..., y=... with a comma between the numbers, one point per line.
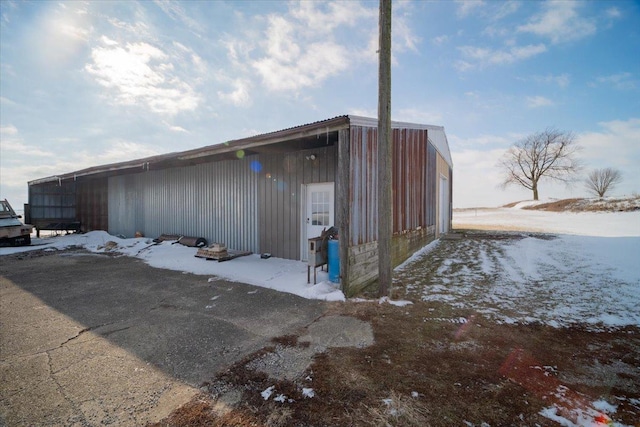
x=268, y=193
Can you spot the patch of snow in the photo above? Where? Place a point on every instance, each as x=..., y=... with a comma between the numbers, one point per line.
x=604, y=406
x=266, y=394
x=552, y=413
x=273, y=273
x=588, y=275
x=418, y=254
x=528, y=203
x=583, y=417
x=397, y=303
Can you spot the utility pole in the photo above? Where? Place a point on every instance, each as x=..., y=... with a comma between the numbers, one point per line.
x=385, y=202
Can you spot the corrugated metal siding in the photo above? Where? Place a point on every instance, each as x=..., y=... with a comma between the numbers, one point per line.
x=414, y=182
x=92, y=204
x=432, y=185
x=213, y=200
x=279, y=198
x=409, y=179
x=363, y=197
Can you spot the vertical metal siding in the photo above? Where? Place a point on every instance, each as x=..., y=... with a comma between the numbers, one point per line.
x=214, y=200
x=432, y=185
x=279, y=187
x=92, y=204
x=363, y=198
x=410, y=164
x=414, y=182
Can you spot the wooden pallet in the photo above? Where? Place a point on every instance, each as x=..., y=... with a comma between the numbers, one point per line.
x=220, y=256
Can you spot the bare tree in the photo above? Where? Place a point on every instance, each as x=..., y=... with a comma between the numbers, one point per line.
x=599, y=181
x=550, y=153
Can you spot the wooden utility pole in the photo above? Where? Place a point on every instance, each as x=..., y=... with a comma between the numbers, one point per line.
x=385, y=207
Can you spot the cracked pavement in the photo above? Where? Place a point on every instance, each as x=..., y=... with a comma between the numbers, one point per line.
x=99, y=340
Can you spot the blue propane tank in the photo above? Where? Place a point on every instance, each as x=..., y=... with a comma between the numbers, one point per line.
x=334, y=261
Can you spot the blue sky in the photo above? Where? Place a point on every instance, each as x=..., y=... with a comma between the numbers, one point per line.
x=88, y=83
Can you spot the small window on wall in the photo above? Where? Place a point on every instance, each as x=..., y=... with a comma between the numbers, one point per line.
x=320, y=208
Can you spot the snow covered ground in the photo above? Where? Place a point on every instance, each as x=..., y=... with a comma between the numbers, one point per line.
x=604, y=224
x=274, y=273
x=585, y=272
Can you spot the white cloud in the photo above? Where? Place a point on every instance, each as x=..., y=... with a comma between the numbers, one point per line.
x=619, y=81
x=13, y=146
x=439, y=40
x=107, y=41
x=480, y=57
x=174, y=128
x=318, y=62
x=477, y=179
x=463, y=144
x=118, y=150
x=538, y=101
x=560, y=22
x=561, y=80
x=415, y=115
x=141, y=74
x=139, y=28
x=613, y=12
x=310, y=43
x=363, y=112
x=175, y=11
x=239, y=96
x=403, y=38
x=8, y=130
x=59, y=33
x=505, y=9
x=466, y=7
x=616, y=145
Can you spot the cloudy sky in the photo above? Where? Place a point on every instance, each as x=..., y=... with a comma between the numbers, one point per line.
x=88, y=83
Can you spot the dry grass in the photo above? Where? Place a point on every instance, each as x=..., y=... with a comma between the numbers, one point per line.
x=590, y=205
x=426, y=370
x=556, y=206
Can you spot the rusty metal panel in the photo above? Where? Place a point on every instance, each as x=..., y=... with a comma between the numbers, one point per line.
x=414, y=182
x=409, y=179
x=217, y=201
x=432, y=185
x=92, y=204
x=363, y=194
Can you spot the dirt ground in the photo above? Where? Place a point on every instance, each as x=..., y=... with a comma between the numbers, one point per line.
x=435, y=364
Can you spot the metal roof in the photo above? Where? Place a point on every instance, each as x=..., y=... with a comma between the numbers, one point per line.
x=251, y=144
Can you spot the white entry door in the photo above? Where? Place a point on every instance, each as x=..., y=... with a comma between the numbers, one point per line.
x=318, y=212
x=444, y=205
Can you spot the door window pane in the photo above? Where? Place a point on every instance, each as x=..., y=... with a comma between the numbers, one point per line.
x=320, y=205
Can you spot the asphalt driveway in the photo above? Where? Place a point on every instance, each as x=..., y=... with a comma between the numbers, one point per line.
x=90, y=339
